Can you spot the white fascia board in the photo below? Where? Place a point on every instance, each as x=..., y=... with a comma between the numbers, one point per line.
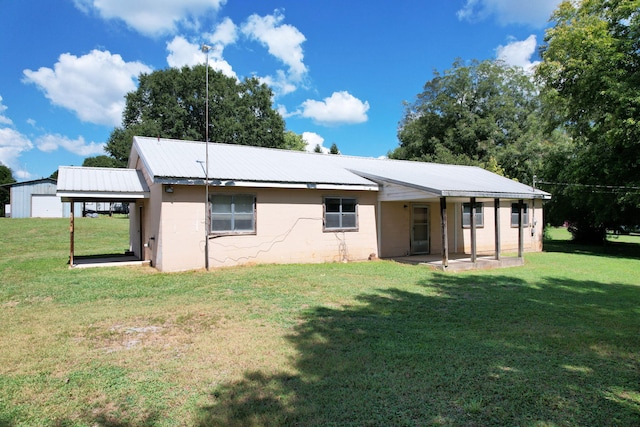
x=496, y=195
x=68, y=196
x=294, y=185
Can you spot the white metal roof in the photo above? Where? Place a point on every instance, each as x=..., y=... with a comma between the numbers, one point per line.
x=175, y=161
x=86, y=183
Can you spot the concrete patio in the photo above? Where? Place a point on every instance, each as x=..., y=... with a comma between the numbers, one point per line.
x=461, y=262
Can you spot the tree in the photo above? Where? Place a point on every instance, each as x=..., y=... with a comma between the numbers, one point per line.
x=293, y=141
x=100, y=162
x=334, y=149
x=6, y=177
x=591, y=86
x=171, y=103
x=317, y=149
x=484, y=113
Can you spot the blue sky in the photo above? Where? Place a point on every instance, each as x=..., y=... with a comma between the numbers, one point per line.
x=340, y=70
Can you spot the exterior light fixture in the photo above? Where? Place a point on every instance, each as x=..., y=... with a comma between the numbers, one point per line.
x=168, y=188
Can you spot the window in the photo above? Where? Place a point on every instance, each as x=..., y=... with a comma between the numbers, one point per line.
x=466, y=215
x=514, y=215
x=340, y=213
x=233, y=213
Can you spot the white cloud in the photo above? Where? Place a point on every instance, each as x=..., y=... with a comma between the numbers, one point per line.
x=339, y=108
x=283, y=42
x=182, y=52
x=79, y=146
x=93, y=86
x=533, y=12
x=152, y=17
x=12, y=145
x=280, y=83
x=4, y=120
x=313, y=139
x=519, y=52
x=226, y=33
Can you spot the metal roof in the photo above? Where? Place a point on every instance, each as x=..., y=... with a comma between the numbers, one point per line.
x=85, y=183
x=176, y=161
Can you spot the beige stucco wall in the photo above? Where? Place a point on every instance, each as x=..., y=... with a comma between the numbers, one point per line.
x=289, y=229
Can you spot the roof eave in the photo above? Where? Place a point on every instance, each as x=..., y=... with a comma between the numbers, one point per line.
x=496, y=194
x=78, y=196
x=267, y=184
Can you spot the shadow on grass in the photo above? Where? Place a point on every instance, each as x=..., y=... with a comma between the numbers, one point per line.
x=611, y=248
x=468, y=350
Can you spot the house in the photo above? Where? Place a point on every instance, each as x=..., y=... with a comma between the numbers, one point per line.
x=278, y=206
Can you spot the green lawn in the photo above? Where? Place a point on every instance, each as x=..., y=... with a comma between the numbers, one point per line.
x=553, y=343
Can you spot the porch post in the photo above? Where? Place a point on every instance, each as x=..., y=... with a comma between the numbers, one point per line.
x=71, y=233
x=445, y=238
x=496, y=209
x=520, y=228
x=379, y=228
x=473, y=230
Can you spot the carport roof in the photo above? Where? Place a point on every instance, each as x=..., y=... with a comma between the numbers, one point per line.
x=100, y=184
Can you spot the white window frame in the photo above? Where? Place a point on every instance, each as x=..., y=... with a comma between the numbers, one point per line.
x=340, y=215
x=232, y=215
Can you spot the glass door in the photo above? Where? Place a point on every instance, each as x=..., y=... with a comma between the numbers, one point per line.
x=419, y=230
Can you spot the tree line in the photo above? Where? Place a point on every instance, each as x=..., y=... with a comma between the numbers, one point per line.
x=572, y=126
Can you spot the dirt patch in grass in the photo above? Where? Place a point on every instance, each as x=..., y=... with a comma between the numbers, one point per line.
x=141, y=333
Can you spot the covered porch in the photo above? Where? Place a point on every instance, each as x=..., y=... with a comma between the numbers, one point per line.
x=101, y=185
x=455, y=230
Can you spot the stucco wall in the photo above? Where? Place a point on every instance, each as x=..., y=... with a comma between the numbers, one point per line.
x=289, y=229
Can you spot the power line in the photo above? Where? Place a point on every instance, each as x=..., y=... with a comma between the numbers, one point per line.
x=602, y=188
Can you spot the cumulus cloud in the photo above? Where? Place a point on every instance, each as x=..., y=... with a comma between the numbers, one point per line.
x=226, y=33
x=284, y=42
x=4, y=120
x=313, y=139
x=93, y=86
x=534, y=13
x=12, y=145
x=183, y=52
x=79, y=146
x=339, y=108
x=152, y=17
x=519, y=52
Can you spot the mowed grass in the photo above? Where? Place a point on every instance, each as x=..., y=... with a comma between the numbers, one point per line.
x=553, y=343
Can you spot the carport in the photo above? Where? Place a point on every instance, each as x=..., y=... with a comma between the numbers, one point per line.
x=83, y=184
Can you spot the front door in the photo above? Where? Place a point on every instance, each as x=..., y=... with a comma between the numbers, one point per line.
x=419, y=230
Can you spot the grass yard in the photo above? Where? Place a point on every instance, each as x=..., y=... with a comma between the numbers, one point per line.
x=553, y=343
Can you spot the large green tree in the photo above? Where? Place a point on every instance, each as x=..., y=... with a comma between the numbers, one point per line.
x=482, y=113
x=170, y=103
x=590, y=76
x=6, y=177
x=101, y=161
